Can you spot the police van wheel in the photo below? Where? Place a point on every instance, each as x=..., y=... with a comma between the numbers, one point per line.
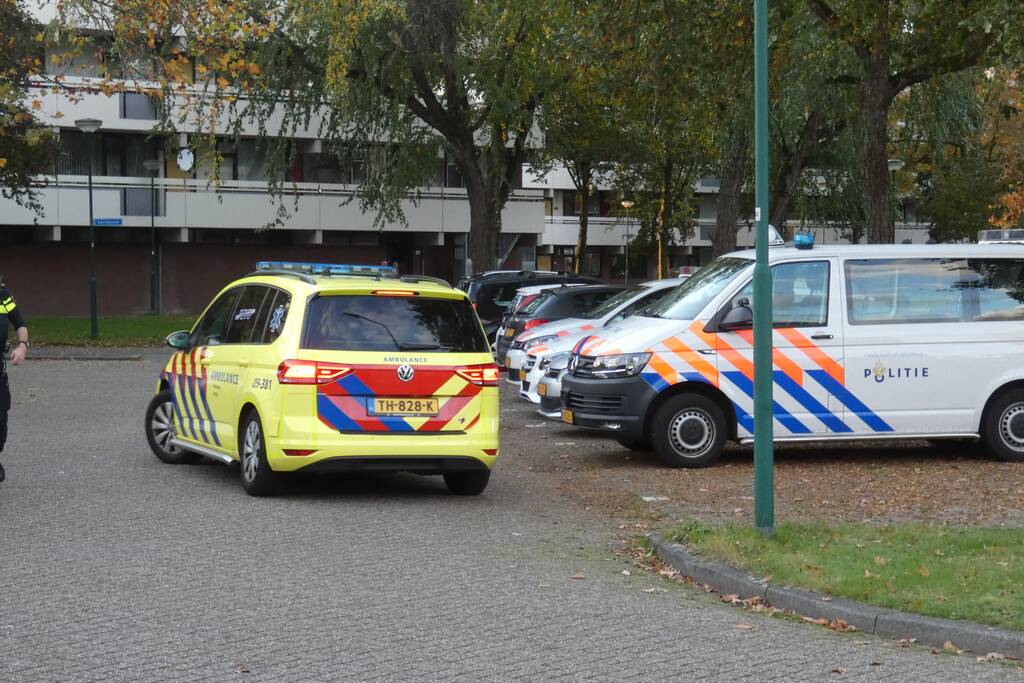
x=689, y=430
x=1003, y=430
x=257, y=477
x=160, y=431
x=467, y=483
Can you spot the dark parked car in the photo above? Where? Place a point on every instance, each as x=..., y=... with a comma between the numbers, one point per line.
x=492, y=293
x=554, y=304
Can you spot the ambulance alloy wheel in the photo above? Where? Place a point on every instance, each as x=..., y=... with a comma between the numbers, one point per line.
x=467, y=483
x=1003, y=430
x=688, y=430
x=257, y=477
x=160, y=431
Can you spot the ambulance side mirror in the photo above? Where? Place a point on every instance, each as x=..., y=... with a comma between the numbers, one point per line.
x=178, y=340
x=738, y=318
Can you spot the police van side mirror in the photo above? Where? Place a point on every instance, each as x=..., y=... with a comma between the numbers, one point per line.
x=178, y=340
x=738, y=318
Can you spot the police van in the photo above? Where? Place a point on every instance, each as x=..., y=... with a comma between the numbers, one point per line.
x=870, y=342
x=319, y=367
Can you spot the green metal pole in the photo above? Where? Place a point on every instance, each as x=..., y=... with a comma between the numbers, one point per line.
x=94, y=325
x=764, y=475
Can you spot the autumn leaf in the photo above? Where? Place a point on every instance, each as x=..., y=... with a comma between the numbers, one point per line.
x=3, y=162
x=923, y=571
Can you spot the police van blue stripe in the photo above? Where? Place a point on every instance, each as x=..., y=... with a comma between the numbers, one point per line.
x=784, y=417
x=850, y=401
x=827, y=417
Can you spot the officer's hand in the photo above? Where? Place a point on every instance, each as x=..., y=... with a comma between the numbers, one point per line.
x=18, y=354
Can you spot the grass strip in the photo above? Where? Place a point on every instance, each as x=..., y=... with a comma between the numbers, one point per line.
x=136, y=330
x=970, y=573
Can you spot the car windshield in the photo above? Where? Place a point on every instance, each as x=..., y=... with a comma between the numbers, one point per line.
x=390, y=323
x=689, y=299
x=609, y=305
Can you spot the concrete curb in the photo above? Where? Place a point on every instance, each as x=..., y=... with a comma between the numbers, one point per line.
x=887, y=623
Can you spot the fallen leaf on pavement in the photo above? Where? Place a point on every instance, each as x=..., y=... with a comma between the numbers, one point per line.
x=841, y=626
x=948, y=646
x=577, y=577
x=745, y=627
x=839, y=670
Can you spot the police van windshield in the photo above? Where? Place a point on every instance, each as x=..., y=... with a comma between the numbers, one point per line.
x=392, y=323
x=686, y=301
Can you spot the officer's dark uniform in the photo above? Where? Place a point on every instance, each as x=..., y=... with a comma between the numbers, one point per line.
x=10, y=318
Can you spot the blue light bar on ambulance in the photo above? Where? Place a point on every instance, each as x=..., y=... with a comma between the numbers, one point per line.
x=327, y=268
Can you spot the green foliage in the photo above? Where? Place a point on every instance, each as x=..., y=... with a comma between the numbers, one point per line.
x=957, y=573
x=137, y=330
x=25, y=147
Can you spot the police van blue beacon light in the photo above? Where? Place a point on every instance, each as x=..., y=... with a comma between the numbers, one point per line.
x=327, y=268
x=803, y=240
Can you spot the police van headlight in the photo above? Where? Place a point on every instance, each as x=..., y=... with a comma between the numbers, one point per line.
x=537, y=341
x=622, y=365
x=556, y=361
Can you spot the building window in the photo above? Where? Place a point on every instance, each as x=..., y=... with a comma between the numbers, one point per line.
x=137, y=106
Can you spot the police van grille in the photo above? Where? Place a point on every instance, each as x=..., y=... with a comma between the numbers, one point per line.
x=595, y=405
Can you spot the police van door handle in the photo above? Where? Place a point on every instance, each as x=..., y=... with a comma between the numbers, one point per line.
x=821, y=335
x=707, y=352
x=244, y=362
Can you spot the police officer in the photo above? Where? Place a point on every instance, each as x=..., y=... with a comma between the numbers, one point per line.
x=10, y=314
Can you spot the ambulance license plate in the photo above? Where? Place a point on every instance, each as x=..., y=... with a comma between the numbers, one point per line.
x=406, y=406
x=567, y=416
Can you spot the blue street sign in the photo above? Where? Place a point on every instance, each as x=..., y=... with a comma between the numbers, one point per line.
x=109, y=221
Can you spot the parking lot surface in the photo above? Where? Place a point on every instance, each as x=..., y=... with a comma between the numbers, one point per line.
x=114, y=566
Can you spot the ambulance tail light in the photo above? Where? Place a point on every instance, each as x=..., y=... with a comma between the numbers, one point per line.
x=536, y=322
x=310, y=372
x=480, y=375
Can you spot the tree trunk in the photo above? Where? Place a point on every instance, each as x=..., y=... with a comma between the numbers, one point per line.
x=731, y=184
x=484, y=216
x=792, y=168
x=664, y=219
x=876, y=94
x=583, y=176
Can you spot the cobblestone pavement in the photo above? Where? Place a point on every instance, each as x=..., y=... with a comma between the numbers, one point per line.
x=114, y=566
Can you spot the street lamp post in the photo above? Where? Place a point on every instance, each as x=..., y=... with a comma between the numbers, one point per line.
x=895, y=165
x=90, y=126
x=627, y=205
x=153, y=166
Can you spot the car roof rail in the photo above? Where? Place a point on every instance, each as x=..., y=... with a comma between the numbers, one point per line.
x=305, y=277
x=424, y=278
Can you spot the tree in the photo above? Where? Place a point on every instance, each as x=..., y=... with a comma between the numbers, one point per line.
x=25, y=146
x=899, y=44
x=402, y=77
x=577, y=120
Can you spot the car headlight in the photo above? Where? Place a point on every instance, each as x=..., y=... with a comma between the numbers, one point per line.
x=621, y=365
x=537, y=341
x=556, y=361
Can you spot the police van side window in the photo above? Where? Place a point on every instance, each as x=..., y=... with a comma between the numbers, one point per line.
x=799, y=294
x=244, y=320
x=212, y=328
x=277, y=307
x=889, y=291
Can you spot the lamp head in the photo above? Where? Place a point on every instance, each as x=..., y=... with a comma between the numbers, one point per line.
x=627, y=204
x=88, y=125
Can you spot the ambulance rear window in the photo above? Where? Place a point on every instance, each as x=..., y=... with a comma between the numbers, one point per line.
x=393, y=323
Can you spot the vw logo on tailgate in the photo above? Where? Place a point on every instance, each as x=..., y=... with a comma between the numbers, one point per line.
x=405, y=373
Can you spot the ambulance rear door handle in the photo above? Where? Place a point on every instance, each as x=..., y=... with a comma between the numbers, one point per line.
x=821, y=336
x=244, y=362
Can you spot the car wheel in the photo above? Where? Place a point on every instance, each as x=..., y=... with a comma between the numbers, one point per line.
x=160, y=431
x=1003, y=431
x=257, y=477
x=638, y=445
x=689, y=431
x=467, y=483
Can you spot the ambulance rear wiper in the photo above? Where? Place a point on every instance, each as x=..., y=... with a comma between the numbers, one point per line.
x=377, y=322
x=422, y=346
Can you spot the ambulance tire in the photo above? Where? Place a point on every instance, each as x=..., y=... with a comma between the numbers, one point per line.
x=689, y=430
x=160, y=429
x=467, y=483
x=1003, y=430
x=639, y=445
x=254, y=470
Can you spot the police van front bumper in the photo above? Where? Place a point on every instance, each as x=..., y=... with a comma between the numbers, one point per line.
x=617, y=407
